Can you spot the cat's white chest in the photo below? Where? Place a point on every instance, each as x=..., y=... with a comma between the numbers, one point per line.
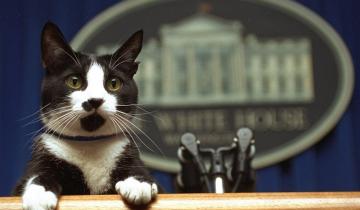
x=96, y=159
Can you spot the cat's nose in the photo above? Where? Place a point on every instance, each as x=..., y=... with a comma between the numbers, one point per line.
x=95, y=102
x=92, y=103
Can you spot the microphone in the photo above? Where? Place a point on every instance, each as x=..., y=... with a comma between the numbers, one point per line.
x=242, y=172
x=191, y=163
x=211, y=170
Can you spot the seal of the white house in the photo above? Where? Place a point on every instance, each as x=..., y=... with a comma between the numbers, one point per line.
x=210, y=67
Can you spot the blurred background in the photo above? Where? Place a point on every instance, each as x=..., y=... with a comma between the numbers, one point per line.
x=333, y=164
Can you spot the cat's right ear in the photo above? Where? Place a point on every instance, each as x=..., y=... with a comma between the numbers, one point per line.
x=54, y=48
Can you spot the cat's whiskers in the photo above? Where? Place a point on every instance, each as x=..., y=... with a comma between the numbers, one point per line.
x=71, y=56
x=70, y=120
x=77, y=59
x=140, y=106
x=121, y=56
x=55, y=110
x=46, y=128
x=130, y=115
x=47, y=113
x=45, y=125
x=123, y=132
x=148, y=137
x=126, y=123
x=55, y=125
x=124, y=61
x=38, y=119
x=112, y=55
x=58, y=108
x=74, y=120
x=34, y=133
x=115, y=127
x=58, y=113
x=36, y=112
x=119, y=123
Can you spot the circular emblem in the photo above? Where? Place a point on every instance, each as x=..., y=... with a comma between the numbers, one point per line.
x=211, y=67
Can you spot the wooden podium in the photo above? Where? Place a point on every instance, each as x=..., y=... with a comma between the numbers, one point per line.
x=278, y=201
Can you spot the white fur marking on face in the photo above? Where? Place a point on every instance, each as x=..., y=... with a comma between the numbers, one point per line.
x=95, y=89
x=35, y=197
x=136, y=192
x=96, y=159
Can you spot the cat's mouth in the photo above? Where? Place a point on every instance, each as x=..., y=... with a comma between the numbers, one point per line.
x=92, y=122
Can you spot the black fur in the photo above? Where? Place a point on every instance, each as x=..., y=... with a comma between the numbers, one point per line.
x=63, y=178
x=60, y=61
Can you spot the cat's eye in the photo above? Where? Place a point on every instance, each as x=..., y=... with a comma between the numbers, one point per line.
x=113, y=84
x=74, y=82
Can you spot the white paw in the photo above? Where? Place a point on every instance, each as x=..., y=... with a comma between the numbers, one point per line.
x=136, y=192
x=36, y=198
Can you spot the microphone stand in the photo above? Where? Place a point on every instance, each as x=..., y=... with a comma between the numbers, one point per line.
x=215, y=170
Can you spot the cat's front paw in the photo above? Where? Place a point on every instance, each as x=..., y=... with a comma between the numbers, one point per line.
x=135, y=191
x=36, y=197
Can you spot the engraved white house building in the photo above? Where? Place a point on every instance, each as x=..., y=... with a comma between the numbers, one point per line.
x=207, y=60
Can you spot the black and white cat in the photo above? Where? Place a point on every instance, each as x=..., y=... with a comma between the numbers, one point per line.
x=87, y=105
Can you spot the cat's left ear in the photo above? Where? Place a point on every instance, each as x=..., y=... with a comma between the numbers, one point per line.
x=128, y=52
x=54, y=48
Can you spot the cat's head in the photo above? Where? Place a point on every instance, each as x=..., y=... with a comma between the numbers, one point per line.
x=87, y=95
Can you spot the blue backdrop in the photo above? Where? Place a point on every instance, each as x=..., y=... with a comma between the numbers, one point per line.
x=331, y=165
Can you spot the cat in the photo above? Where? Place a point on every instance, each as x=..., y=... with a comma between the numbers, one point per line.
x=87, y=105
